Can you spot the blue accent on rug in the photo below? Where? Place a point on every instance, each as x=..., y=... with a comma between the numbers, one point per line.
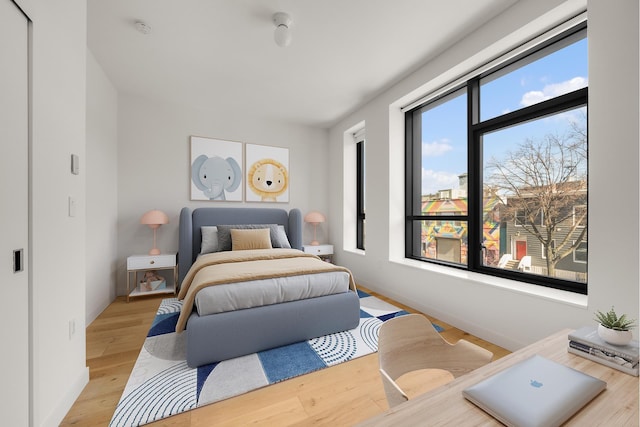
x=290, y=361
x=364, y=314
x=163, y=324
x=386, y=317
x=203, y=374
x=362, y=294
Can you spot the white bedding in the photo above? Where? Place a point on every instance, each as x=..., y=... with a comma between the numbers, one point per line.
x=221, y=298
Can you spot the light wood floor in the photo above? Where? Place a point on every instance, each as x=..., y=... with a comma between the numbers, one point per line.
x=342, y=395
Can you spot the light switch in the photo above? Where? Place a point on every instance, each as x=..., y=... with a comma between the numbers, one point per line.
x=75, y=164
x=72, y=206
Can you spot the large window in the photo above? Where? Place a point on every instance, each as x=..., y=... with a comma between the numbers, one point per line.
x=497, y=169
x=360, y=190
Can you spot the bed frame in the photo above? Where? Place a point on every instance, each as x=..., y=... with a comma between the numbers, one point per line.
x=232, y=334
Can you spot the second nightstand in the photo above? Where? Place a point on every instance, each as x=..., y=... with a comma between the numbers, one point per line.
x=325, y=252
x=141, y=263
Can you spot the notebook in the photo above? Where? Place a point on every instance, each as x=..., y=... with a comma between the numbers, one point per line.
x=536, y=392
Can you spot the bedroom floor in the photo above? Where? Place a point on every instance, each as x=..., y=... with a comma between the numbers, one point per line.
x=341, y=395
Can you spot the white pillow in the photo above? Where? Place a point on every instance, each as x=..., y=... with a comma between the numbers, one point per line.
x=281, y=238
x=209, y=239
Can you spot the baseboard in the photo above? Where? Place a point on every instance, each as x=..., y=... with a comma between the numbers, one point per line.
x=460, y=323
x=72, y=392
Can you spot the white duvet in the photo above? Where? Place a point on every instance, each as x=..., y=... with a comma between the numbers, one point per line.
x=255, y=293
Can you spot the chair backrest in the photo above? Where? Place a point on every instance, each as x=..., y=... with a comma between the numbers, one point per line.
x=410, y=342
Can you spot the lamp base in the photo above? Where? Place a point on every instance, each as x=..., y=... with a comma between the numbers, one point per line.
x=154, y=251
x=314, y=243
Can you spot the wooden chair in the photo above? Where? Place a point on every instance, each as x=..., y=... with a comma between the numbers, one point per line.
x=409, y=343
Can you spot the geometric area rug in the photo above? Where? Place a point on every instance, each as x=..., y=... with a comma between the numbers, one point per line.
x=161, y=384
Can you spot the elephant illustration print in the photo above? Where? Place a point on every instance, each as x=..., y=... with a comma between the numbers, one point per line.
x=216, y=173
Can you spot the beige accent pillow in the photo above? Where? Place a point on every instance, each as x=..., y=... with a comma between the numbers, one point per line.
x=243, y=239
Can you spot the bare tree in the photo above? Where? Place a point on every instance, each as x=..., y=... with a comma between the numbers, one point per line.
x=542, y=182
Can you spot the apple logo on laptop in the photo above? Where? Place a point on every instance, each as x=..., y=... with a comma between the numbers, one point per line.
x=535, y=384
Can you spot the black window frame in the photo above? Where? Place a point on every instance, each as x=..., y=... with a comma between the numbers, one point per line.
x=475, y=130
x=360, y=194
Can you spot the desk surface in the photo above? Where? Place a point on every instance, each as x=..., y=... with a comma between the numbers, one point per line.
x=616, y=406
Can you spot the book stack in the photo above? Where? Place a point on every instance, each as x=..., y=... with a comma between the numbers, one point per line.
x=587, y=343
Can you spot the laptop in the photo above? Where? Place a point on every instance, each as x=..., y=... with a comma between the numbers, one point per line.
x=536, y=392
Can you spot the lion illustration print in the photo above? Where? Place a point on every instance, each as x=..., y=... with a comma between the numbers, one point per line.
x=268, y=179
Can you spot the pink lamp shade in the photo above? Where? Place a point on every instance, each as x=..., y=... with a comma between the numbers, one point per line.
x=314, y=218
x=154, y=219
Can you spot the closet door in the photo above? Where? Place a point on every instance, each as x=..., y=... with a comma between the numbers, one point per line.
x=14, y=213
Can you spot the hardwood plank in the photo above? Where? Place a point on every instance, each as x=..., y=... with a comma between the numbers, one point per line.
x=280, y=413
x=340, y=395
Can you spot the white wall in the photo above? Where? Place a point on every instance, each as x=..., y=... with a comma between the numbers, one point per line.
x=154, y=169
x=101, y=169
x=509, y=313
x=58, y=368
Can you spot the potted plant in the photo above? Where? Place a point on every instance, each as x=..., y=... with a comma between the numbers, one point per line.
x=613, y=329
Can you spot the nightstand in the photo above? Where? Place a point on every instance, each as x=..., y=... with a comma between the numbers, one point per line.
x=141, y=263
x=325, y=252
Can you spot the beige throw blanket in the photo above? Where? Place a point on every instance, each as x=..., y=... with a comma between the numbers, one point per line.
x=241, y=266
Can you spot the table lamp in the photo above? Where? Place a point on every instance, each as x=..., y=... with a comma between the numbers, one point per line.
x=314, y=218
x=154, y=219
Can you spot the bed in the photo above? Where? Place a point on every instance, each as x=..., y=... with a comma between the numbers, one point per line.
x=226, y=314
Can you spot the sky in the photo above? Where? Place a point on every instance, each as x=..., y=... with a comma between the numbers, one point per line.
x=444, y=133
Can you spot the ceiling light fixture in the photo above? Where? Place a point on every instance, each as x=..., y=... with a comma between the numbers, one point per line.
x=143, y=27
x=282, y=35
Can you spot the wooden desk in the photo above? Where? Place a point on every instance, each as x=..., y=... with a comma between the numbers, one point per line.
x=445, y=406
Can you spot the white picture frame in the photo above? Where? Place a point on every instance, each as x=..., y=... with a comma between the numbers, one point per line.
x=267, y=177
x=216, y=169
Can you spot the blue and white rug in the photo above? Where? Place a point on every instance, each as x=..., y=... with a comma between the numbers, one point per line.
x=161, y=384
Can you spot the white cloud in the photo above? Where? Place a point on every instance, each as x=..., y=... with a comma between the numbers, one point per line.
x=433, y=181
x=436, y=148
x=552, y=90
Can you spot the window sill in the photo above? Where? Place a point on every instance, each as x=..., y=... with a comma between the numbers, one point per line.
x=355, y=251
x=555, y=295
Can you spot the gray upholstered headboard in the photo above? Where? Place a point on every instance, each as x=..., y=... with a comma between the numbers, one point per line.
x=190, y=237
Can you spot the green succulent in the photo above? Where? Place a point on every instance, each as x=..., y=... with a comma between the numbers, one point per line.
x=611, y=320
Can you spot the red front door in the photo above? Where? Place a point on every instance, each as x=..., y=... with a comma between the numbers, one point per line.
x=521, y=249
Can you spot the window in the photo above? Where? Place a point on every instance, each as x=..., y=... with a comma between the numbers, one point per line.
x=496, y=168
x=360, y=193
x=580, y=216
x=580, y=252
x=439, y=201
x=551, y=247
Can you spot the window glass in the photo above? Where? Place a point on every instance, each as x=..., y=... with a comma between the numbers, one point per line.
x=538, y=169
x=444, y=156
x=535, y=79
x=445, y=241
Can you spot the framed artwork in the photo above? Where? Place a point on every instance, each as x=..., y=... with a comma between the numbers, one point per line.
x=267, y=173
x=216, y=171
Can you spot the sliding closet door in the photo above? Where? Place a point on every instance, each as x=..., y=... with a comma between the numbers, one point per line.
x=14, y=212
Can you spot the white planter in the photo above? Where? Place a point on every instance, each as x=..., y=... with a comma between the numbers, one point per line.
x=615, y=337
